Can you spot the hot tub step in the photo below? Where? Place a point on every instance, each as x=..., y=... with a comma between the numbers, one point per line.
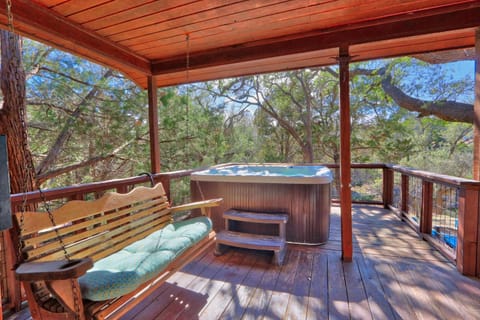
x=251, y=241
x=256, y=217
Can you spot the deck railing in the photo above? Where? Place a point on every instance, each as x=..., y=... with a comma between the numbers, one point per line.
x=444, y=210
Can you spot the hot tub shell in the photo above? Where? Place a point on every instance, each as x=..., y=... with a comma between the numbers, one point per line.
x=306, y=199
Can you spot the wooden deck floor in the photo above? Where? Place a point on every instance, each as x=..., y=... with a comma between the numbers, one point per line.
x=394, y=275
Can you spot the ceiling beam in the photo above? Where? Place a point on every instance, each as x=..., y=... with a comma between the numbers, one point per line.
x=49, y=25
x=412, y=24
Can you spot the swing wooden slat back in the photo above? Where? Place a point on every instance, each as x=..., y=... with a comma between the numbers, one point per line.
x=96, y=228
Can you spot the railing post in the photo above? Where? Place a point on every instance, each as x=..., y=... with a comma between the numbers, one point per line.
x=427, y=207
x=122, y=189
x=165, y=180
x=404, y=202
x=387, y=194
x=468, y=249
x=13, y=286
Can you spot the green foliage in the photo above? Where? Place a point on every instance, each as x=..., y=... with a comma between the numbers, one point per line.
x=283, y=117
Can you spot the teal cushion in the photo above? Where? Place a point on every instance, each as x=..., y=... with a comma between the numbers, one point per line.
x=125, y=270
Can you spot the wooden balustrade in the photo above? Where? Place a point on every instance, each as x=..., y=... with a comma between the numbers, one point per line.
x=466, y=253
x=467, y=224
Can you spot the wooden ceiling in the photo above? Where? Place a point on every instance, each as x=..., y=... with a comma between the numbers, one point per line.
x=232, y=37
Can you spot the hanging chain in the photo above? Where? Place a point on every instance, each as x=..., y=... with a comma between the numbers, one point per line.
x=187, y=111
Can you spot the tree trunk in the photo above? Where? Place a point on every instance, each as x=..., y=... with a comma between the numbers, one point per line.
x=13, y=114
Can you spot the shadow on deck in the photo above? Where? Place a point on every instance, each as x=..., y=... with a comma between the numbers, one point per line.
x=394, y=275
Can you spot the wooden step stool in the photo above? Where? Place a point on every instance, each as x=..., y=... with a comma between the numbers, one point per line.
x=233, y=238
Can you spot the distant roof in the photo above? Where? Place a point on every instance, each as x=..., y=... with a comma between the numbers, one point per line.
x=231, y=37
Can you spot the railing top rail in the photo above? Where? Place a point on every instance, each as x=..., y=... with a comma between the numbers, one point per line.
x=436, y=177
x=65, y=192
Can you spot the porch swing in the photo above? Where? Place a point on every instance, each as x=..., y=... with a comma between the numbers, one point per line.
x=98, y=259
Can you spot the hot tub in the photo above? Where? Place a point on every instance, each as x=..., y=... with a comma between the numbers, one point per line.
x=302, y=191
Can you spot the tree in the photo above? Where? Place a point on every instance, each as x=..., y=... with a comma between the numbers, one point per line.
x=79, y=110
x=13, y=114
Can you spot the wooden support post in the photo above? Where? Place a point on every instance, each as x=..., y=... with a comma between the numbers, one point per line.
x=387, y=194
x=404, y=201
x=165, y=180
x=476, y=109
x=14, y=291
x=468, y=231
x=345, y=156
x=153, y=125
x=427, y=207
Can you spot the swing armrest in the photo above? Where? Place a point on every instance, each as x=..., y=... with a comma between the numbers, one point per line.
x=197, y=205
x=53, y=270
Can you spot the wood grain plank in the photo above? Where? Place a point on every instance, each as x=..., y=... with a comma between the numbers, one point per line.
x=228, y=290
x=51, y=3
x=337, y=291
x=380, y=307
x=394, y=290
x=298, y=302
x=136, y=17
x=284, y=16
x=298, y=20
x=440, y=296
x=214, y=16
x=318, y=298
x=238, y=304
x=166, y=295
x=70, y=7
x=105, y=10
x=209, y=286
x=263, y=293
x=159, y=299
x=357, y=296
x=419, y=297
x=277, y=306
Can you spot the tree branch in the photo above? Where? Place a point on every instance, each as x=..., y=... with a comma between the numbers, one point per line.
x=445, y=110
x=41, y=178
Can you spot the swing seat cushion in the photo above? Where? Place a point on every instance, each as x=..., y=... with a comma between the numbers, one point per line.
x=125, y=270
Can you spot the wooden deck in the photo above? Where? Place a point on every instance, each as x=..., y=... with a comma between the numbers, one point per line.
x=394, y=275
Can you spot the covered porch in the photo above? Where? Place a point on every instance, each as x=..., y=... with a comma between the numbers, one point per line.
x=393, y=273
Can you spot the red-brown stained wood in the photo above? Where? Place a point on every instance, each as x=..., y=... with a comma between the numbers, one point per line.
x=301, y=288
x=468, y=232
x=404, y=186
x=105, y=10
x=69, y=7
x=345, y=155
x=153, y=125
x=120, y=34
x=427, y=207
x=237, y=307
x=388, y=182
x=476, y=108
